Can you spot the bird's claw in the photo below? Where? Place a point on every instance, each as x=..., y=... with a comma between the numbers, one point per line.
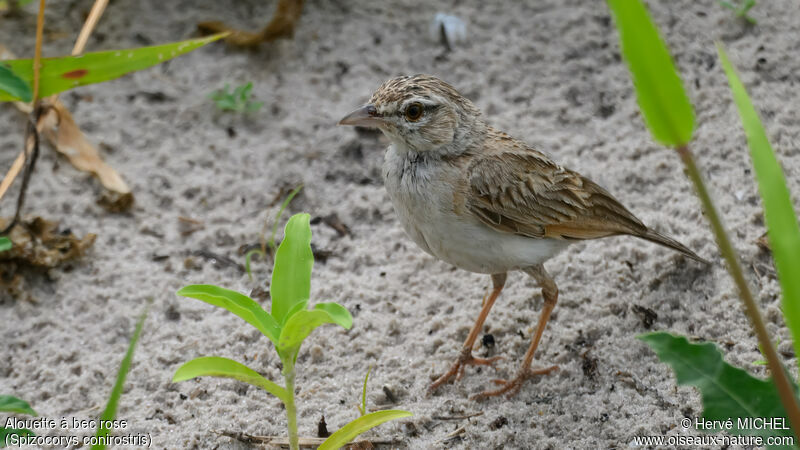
x=512, y=386
x=457, y=369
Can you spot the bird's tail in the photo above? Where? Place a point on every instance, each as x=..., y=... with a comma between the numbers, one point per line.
x=658, y=238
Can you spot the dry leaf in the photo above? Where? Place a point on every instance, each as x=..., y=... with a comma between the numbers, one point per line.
x=13, y=284
x=64, y=134
x=38, y=243
x=763, y=242
x=61, y=130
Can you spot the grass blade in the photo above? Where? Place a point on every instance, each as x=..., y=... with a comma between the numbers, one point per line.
x=239, y=304
x=215, y=366
x=13, y=86
x=291, y=276
x=727, y=391
x=110, y=412
x=12, y=404
x=782, y=228
x=363, y=408
x=248, y=257
x=662, y=99
x=345, y=434
x=67, y=72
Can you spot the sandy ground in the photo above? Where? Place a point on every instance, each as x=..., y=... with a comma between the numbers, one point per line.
x=548, y=72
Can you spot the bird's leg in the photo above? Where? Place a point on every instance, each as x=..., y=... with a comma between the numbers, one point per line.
x=466, y=358
x=550, y=294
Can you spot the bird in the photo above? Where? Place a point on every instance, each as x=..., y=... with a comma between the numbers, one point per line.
x=477, y=198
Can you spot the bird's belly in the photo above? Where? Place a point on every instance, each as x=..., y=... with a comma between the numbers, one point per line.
x=478, y=248
x=464, y=241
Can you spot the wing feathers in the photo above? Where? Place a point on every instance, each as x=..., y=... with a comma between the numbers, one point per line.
x=517, y=189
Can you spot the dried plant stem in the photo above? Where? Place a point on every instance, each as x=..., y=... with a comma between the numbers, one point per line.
x=80, y=44
x=16, y=167
x=751, y=309
x=30, y=150
x=88, y=26
x=37, y=55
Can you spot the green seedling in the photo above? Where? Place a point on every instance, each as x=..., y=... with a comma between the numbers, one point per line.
x=262, y=252
x=363, y=408
x=14, y=405
x=271, y=242
x=110, y=413
x=238, y=100
x=346, y=434
x=5, y=244
x=286, y=326
x=670, y=118
x=248, y=257
x=363, y=423
x=741, y=10
x=67, y=72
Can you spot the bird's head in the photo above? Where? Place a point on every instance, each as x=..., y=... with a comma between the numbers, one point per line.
x=419, y=113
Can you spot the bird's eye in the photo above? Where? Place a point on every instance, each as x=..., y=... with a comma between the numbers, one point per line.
x=414, y=111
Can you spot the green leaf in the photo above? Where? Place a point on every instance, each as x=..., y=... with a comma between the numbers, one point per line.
x=248, y=257
x=300, y=325
x=285, y=203
x=215, y=366
x=296, y=308
x=226, y=104
x=345, y=434
x=291, y=277
x=4, y=432
x=727, y=391
x=13, y=86
x=253, y=106
x=339, y=314
x=363, y=408
x=782, y=228
x=239, y=304
x=664, y=104
x=67, y=72
x=110, y=412
x=5, y=244
x=12, y=404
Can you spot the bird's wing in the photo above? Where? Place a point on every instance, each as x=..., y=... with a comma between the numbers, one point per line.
x=517, y=189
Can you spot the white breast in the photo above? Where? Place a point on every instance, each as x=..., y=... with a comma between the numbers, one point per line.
x=423, y=200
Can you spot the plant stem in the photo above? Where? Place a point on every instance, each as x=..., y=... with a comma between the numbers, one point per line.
x=726, y=248
x=37, y=53
x=291, y=410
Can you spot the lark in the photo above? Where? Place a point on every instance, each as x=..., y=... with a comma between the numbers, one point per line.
x=477, y=198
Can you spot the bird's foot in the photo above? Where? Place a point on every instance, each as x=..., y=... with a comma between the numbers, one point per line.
x=457, y=369
x=511, y=387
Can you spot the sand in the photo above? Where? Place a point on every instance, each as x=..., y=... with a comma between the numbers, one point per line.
x=548, y=72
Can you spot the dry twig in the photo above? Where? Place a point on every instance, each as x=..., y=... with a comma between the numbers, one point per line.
x=281, y=26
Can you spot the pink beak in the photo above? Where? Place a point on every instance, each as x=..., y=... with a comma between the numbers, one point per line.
x=366, y=116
